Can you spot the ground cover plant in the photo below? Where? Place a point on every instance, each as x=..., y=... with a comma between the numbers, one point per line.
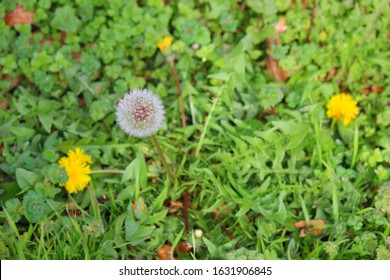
x=274, y=141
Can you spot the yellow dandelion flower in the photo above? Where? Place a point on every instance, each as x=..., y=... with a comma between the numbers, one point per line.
x=165, y=43
x=342, y=106
x=77, y=166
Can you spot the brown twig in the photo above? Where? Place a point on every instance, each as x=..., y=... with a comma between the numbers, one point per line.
x=183, y=116
x=186, y=202
x=313, y=12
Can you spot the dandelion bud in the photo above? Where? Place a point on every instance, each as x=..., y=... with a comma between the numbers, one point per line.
x=198, y=233
x=140, y=113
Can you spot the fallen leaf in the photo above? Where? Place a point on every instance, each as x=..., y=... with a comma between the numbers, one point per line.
x=366, y=90
x=18, y=16
x=316, y=227
x=271, y=63
x=184, y=247
x=15, y=81
x=76, y=56
x=281, y=26
x=275, y=70
x=48, y=40
x=377, y=89
x=221, y=210
x=270, y=111
x=174, y=207
x=164, y=252
x=330, y=75
x=72, y=210
x=4, y=105
x=342, y=88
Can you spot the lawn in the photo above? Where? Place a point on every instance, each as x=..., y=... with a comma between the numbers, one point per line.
x=194, y=129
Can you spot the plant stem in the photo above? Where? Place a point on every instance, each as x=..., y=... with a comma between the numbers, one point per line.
x=355, y=145
x=110, y=171
x=313, y=12
x=183, y=116
x=162, y=157
x=186, y=203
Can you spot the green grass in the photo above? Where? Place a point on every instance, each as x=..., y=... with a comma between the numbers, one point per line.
x=256, y=155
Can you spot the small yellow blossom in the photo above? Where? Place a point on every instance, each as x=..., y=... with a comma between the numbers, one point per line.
x=165, y=43
x=77, y=166
x=341, y=106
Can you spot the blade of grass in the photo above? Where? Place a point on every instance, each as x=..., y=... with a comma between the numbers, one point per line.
x=209, y=117
x=335, y=198
x=19, y=244
x=355, y=145
x=304, y=209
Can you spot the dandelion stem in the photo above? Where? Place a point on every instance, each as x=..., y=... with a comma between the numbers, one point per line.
x=173, y=68
x=162, y=157
x=110, y=171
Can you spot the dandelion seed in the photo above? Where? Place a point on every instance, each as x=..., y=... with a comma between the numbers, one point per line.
x=165, y=43
x=342, y=106
x=77, y=166
x=140, y=113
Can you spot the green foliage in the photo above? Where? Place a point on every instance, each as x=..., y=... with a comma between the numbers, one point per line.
x=257, y=155
x=65, y=19
x=34, y=206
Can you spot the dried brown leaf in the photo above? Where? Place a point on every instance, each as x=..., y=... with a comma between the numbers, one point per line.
x=366, y=90
x=19, y=16
x=330, y=75
x=15, y=81
x=281, y=26
x=275, y=70
x=164, y=252
x=4, y=105
x=271, y=63
x=48, y=40
x=377, y=89
x=76, y=56
x=184, y=247
x=316, y=227
x=174, y=207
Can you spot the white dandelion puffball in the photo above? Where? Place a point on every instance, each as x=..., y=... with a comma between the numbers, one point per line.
x=140, y=113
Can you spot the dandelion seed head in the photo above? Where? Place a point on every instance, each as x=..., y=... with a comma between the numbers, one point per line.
x=140, y=113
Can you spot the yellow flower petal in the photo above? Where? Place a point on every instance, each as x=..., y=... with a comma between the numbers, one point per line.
x=76, y=165
x=165, y=43
x=342, y=107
